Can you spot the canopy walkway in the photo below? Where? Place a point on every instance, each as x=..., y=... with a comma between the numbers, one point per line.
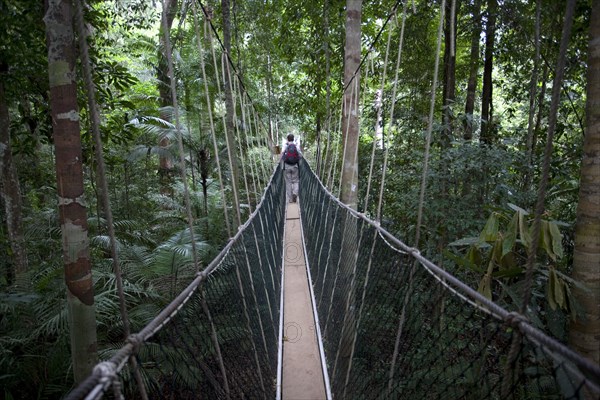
x=320, y=301
x=392, y=323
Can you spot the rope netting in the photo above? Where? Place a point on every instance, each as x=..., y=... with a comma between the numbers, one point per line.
x=218, y=338
x=395, y=325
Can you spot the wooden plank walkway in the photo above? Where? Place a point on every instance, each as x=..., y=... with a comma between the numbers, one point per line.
x=302, y=374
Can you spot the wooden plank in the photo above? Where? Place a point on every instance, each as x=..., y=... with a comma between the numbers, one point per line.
x=302, y=376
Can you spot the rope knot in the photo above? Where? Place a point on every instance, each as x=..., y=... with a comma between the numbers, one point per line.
x=107, y=370
x=135, y=340
x=108, y=377
x=414, y=251
x=513, y=319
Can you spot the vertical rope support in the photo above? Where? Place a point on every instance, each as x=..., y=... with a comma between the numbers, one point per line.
x=256, y=359
x=210, y=117
x=379, y=100
x=243, y=157
x=242, y=107
x=421, y=197
x=539, y=209
x=247, y=132
x=99, y=153
x=260, y=324
x=188, y=206
x=262, y=274
x=215, y=339
x=429, y=126
x=353, y=93
x=392, y=106
x=230, y=146
x=336, y=153
x=235, y=89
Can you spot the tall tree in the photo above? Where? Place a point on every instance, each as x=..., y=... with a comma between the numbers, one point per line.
x=473, y=70
x=585, y=332
x=164, y=90
x=11, y=195
x=229, y=108
x=350, y=125
x=349, y=184
x=486, y=95
x=69, y=175
x=449, y=88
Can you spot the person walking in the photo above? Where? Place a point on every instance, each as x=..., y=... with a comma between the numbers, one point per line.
x=291, y=157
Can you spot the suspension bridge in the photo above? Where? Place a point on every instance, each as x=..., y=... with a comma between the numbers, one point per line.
x=388, y=322
x=316, y=300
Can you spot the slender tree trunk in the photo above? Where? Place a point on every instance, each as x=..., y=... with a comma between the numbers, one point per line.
x=532, y=97
x=11, y=196
x=69, y=175
x=349, y=186
x=473, y=71
x=165, y=169
x=486, y=96
x=584, y=334
x=449, y=89
x=328, y=152
x=351, y=102
x=230, y=112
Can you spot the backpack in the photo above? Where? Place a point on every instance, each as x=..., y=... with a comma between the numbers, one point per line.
x=290, y=155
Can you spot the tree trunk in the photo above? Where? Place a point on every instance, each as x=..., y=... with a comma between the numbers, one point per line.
x=327, y=157
x=449, y=89
x=351, y=102
x=473, y=71
x=11, y=195
x=533, y=83
x=165, y=169
x=349, y=188
x=584, y=335
x=487, y=130
x=229, y=111
x=69, y=175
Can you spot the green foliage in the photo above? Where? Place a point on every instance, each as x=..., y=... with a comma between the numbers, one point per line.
x=499, y=254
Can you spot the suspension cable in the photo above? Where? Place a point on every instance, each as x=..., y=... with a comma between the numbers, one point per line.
x=429, y=125
x=171, y=73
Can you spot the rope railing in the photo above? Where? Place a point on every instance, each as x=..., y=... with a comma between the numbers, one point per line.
x=459, y=353
x=216, y=335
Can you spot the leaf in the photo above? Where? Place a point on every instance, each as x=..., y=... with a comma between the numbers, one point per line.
x=524, y=230
x=559, y=292
x=550, y=289
x=464, y=262
x=518, y=209
x=556, y=239
x=545, y=240
x=510, y=236
x=490, y=230
x=485, y=286
x=495, y=255
x=468, y=241
x=474, y=256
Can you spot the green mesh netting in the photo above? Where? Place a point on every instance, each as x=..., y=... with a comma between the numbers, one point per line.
x=223, y=341
x=395, y=328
